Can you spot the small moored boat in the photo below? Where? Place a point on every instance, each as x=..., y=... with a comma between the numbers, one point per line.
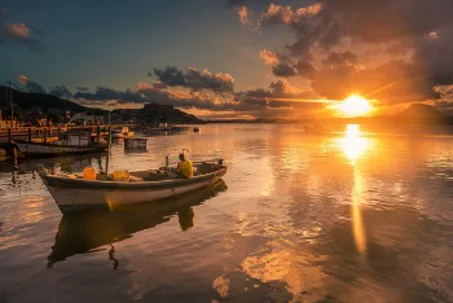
x=125, y=133
x=72, y=193
x=32, y=149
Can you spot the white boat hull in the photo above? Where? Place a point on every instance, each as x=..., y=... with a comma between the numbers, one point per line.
x=79, y=199
x=74, y=195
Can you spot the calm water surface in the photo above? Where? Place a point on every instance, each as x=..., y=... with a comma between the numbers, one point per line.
x=353, y=216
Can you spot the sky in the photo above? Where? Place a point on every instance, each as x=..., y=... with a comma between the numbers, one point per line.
x=231, y=58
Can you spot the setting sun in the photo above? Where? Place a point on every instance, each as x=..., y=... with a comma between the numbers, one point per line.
x=355, y=105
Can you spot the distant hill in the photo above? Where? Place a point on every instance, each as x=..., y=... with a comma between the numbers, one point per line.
x=422, y=111
x=29, y=100
x=151, y=113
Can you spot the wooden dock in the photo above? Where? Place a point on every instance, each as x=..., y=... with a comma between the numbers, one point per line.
x=44, y=133
x=47, y=135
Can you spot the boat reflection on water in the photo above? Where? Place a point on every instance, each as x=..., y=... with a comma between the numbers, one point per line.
x=81, y=233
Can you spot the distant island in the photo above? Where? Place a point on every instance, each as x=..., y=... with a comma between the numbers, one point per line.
x=33, y=107
x=415, y=114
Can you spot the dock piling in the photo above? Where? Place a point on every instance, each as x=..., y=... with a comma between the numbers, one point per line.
x=45, y=135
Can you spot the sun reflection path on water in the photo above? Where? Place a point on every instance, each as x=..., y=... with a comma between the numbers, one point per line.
x=354, y=146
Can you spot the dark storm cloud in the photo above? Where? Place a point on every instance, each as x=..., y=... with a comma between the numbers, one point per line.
x=195, y=80
x=60, y=91
x=171, y=76
x=31, y=86
x=23, y=34
x=284, y=69
x=305, y=68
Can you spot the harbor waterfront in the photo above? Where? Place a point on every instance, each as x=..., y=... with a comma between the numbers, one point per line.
x=348, y=214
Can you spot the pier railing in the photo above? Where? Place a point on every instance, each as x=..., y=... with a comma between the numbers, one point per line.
x=7, y=135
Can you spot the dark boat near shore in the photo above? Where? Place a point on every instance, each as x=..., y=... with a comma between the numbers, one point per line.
x=31, y=149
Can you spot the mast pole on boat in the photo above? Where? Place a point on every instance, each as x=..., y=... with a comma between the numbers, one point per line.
x=109, y=143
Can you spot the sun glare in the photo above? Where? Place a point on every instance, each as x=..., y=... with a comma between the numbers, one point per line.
x=353, y=144
x=355, y=105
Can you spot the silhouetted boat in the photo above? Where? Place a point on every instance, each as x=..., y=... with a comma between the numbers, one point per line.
x=85, y=232
x=32, y=149
x=162, y=127
x=75, y=194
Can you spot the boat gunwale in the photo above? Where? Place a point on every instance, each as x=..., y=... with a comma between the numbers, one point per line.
x=63, y=181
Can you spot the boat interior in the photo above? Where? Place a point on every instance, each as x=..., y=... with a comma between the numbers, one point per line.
x=159, y=175
x=155, y=175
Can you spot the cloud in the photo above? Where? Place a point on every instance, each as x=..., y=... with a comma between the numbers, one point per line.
x=148, y=93
x=433, y=57
x=259, y=102
x=269, y=57
x=280, y=95
x=277, y=14
x=340, y=59
x=107, y=94
x=32, y=87
x=396, y=50
x=60, y=91
x=305, y=69
x=391, y=83
x=284, y=69
x=282, y=66
x=243, y=14
x=23, y=34
x=195, y=80
x=171, y=75
x=178, y=98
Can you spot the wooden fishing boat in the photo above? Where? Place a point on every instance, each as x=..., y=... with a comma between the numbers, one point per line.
x=75, y=194
x=32, y=149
